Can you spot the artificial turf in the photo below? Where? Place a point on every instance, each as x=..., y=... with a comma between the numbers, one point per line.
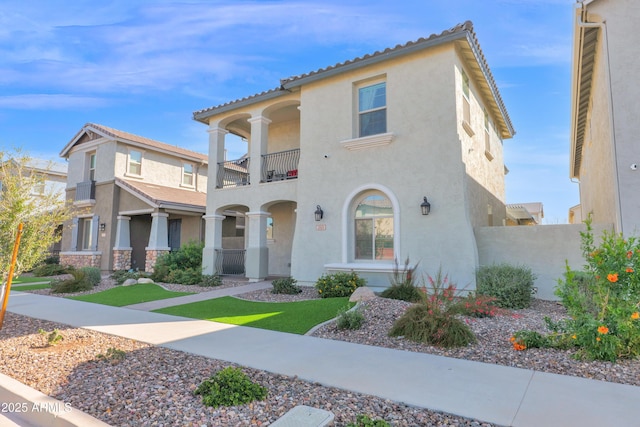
x=127, y=295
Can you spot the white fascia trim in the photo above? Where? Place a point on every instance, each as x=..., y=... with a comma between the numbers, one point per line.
x=136, y=212
x=346, y=218
x=378, y=140
x=385, y=267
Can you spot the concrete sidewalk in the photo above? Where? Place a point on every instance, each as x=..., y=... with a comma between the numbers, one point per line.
x=498, y=394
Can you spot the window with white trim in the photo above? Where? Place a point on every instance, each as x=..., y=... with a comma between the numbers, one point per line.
x=85, y=228
x=373, y=227
x=466, y=104
x=372, y=109
x=135, y=163
x=91, y=170
x=487, y=135
x=187, y=174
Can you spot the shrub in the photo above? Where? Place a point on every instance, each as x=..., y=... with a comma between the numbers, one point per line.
x=54, y=337
x=512, y=286
x=286, y=285
x=113, y=355
x=92, y=274
x=338, y=284
x=46, y=270
x=433, y=320
x=366, y=421
x=403, y=285
x=79, y=283
x=210, y=280
x=474, y=305
x=183, y=266
x=603, y=302
x=51, y=259
x=349, y=319
x=229, y=387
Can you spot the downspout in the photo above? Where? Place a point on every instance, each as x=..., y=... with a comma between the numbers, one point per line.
x=582, y=23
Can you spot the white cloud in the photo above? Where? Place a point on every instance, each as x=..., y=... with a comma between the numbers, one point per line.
x=50, y=101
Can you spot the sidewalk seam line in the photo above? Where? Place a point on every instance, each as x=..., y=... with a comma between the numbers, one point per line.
x=526, y=390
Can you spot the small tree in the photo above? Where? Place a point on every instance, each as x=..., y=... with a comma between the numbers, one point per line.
x=40, y=213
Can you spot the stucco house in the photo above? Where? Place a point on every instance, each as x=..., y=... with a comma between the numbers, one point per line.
x=605, y=154
x=135, y=198
x=391, y=155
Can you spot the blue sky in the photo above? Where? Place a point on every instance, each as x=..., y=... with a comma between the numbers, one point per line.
x=145, y=66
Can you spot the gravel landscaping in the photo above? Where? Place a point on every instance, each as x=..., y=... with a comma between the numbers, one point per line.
x=153, y=385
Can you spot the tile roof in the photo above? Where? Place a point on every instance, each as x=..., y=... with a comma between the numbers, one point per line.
x=118, y=134
x=162, y=196
x=461, y=31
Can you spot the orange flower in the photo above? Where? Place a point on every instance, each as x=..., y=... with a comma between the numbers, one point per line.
x=512, y=339
x=597, y=338
x=613, y=277
x=519, y=347
x=629, y=254
x=603, y=330
x=629, y=270
x=635, y=316
x=574, y=336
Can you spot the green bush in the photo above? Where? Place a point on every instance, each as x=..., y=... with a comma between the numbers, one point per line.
x=403, y=286
x=52, y=259
x=603, y=301
x=422, y=324
x=349, y=319
x=285, y=285
x=211, y=280
x=79, y=283
x=229, y=387
x=366, y=421
x=46, y=270
x=183, y=266
x=338, y=284
x=92, y=275
x=512, y=286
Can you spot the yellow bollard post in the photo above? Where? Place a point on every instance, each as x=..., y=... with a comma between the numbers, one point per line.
x=7, y=288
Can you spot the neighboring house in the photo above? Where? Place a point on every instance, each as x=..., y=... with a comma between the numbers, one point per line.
x=605, y=154
x=525, y=214
x=54, y=182
x=136, y=198
x=340, y=160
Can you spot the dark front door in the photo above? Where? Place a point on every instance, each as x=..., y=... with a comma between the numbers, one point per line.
x=174, y=233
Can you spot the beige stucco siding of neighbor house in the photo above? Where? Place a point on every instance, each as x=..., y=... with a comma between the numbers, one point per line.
x=605, y=111
x=141, y=197
x=441, y=139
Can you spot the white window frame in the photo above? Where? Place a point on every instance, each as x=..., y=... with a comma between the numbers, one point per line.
x=192, y=175
x=130, y=162
x=466, y=103
x=360, y=113
x=92, y=160
x=87, y=233
x=487, y=135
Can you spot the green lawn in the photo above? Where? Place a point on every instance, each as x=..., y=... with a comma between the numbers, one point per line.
x=24, y=279
x=295, y=317
x=127, y=295
x=29, y=287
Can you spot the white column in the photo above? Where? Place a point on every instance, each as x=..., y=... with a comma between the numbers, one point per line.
x=216, y=155
x=123, y=239
x=258, y=146
x=212, y=242
x=257, y=260
x=159, y=235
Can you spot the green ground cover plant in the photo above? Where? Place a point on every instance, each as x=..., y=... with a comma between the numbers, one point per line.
x=338, y=285
x=127, y=295
x=22, y=280
x=349, y=319
x=603, y=302
x=78, y=283
x=294, y=317
x=363, y=420
x=30, y=287
x=229, y=387
x=45, y=270
x=285, y=285
x=403, y=283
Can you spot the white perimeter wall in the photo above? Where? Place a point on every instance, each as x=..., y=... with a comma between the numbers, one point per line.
x=543, y=248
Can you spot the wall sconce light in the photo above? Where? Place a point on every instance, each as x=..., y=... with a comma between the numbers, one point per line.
x=103, y=226
x=425, y=206
x=319, y=213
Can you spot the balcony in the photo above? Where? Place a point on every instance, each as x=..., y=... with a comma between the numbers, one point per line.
x=233, y=173
x=280, y=166
x=85, y=193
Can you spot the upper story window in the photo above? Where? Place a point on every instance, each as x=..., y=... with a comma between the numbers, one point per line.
x=466, y=104
x=135, y=162
x=38, y=189
x=92, y=167
x=372, y=109
x=187, y=174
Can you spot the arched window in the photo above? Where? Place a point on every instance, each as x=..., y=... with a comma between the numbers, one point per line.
x=373, y=227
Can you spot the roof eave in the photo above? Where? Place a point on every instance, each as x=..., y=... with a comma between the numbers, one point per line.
x=202, y=116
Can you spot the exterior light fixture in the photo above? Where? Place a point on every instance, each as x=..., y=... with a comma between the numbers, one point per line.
x=103, y=226
x=425, y=206
x=318, y=213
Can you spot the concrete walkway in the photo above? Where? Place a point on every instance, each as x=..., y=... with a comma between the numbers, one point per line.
x=497, y=394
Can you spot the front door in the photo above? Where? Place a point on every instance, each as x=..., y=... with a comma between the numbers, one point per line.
x=174, y=234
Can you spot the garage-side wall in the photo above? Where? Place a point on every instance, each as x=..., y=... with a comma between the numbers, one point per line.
x=543, y=248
